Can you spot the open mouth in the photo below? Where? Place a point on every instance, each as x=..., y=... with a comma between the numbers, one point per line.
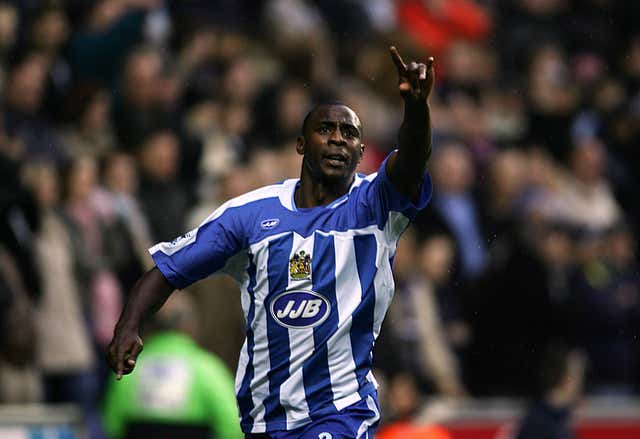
x=335, y=159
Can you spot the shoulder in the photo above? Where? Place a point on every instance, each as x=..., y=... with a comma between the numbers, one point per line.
x=362, y=181
x=252, y=201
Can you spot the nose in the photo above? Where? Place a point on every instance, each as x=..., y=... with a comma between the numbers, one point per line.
x=336, y=137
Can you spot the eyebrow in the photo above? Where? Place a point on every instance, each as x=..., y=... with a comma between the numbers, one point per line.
x=333, y=123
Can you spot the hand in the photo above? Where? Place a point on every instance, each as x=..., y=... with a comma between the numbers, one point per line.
x=124, y=350
x=415, y=81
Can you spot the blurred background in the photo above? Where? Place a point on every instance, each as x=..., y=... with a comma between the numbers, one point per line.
x=126, y=122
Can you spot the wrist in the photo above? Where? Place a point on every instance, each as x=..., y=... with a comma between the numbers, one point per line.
x=129, y=325
x=416, y=105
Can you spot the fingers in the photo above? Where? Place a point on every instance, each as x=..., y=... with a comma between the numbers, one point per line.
x=397, y=60
x=416, y=79
x=133, y=356
x=413, y=70
x=119, y=363
x=123, y=356
x=422, y=72
x=429, y=80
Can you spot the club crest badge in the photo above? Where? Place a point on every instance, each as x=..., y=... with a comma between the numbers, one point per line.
x=300, y=266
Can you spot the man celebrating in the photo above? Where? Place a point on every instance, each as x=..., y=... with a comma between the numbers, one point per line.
x=313, y=259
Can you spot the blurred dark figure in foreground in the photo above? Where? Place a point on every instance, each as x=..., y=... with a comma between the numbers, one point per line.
x=179, y=389
x=605, y=307
x=561, y=377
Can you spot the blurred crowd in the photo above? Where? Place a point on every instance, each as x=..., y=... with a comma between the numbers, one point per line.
x=126, y=122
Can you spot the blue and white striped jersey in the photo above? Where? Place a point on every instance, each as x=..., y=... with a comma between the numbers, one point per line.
x=316, y=284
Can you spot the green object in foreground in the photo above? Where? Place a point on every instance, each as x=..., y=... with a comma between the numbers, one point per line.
x=175, y=381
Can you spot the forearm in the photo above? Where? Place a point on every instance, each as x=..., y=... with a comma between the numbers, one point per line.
x=146, y=297
x=414, y=147
x=414, y=136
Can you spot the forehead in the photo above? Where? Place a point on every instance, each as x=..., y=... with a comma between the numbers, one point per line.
x=336, y=113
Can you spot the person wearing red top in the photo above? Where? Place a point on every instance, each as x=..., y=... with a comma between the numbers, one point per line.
x=436, y=24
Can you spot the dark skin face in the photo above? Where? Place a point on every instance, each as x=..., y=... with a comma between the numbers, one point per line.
x=332, y=148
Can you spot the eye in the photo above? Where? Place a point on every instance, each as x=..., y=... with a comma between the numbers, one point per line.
x=350, y=134
x=324, y=130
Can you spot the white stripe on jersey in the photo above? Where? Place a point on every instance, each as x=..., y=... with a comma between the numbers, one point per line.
x=261, y=363
x=383, y=286
x=344, y=382
x=396, y=224
x=292, y=393
x=245, y=300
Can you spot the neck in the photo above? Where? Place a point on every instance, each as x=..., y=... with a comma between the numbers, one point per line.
x=314, y=192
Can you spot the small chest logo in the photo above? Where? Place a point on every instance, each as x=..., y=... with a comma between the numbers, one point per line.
x=269, y=224
x=300, y=266
x=300, y=309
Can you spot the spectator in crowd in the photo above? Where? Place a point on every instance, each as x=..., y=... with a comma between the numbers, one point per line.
x=95, y=263
x=554, y=99
x=65, y=353
x=139, y=105
x=9, y=21
x=19, y=374
x=560, y=383
x=278, y=114
x=110, y=30
x=120, y=179
x=179, y=389
x=163, y=198
x=416, y=339
x=89, y=129
x=436, y=24
x=19, y=218
x=454, y=210
x=605, y=306
x=24, y=96
x=588, y=201
x=49, y=33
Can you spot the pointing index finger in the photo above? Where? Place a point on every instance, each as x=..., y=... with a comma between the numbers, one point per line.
x=397, y=59
x=430, y=62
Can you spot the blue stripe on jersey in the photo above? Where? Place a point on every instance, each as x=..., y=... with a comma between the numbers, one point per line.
x=362, y=324
x=279, y=352
x=315, y=372
x=245, y=402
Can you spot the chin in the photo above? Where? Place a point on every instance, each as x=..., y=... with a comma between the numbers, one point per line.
x=336, y=174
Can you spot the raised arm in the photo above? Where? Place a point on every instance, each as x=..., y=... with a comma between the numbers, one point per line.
x=406, y=169
x=147, y=296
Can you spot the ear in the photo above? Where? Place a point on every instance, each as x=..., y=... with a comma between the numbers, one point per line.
x=362, y=146
x=300, y=145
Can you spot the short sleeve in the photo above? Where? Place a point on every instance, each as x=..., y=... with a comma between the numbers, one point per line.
x=202, y=251
x=383, y=196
